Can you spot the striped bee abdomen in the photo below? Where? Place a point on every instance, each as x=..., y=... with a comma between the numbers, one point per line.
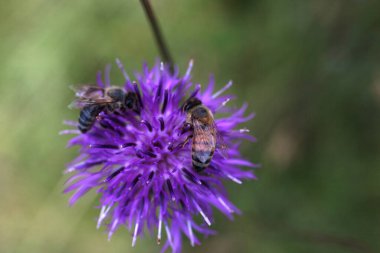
x=88, y=116
x=202, y=151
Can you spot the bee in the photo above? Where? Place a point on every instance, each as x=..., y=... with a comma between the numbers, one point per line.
x=204, y=133
x=92, y=100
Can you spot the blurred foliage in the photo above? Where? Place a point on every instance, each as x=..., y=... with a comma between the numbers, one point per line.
x=309, y=69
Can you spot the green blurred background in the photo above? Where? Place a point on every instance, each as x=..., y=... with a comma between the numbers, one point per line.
x=309, y=69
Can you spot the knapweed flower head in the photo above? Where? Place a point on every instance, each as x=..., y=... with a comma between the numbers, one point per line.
x=140, y=163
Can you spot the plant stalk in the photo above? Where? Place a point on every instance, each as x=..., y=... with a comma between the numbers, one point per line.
x=162, y=46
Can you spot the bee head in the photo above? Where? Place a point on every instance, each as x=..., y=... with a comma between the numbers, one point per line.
x=132, y=102
x=117, y=94
x=190, y=104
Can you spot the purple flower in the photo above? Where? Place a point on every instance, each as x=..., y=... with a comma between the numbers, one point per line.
x=141, y=169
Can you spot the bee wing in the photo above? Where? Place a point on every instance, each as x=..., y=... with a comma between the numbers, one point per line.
x=88, y=91
x=82, y=102
x=89, y=95
x=221, y=145
x=203, y=133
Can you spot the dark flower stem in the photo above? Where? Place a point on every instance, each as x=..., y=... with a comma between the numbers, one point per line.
x=165, y=54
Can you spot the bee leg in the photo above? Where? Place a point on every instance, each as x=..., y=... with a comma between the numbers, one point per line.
x=186, y=127
x=110, y=109
x=186, y=141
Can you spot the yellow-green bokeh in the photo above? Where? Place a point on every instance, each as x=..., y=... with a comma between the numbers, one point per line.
x=309, y=69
